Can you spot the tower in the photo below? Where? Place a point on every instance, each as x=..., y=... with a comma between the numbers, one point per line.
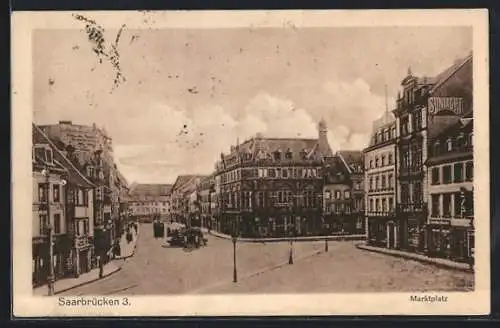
x=323, y=145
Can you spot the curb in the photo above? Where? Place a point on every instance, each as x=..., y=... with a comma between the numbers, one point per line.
x=88, y=282
x=427, y=260
x=297, y=239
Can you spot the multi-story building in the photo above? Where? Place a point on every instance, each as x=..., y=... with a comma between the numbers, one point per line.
x=414, y=113
x=90, y=150
x=150, y=201
x=62, y=212
x=182, y=188
x=451, y=191
x=380, y=184
x=206, y=191
x=272, y=186
x=343, y=193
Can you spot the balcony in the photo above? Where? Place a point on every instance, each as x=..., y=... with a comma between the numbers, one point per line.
x=386, y=214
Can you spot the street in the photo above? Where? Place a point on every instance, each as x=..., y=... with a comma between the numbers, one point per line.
x=160, y=269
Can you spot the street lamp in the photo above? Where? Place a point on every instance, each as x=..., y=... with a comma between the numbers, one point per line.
x=290, y=257
x=49, y=231
x=235, y=275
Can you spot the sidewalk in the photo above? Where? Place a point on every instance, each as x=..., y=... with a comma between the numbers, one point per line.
x=115, y=265
x=419, y=257
x=281, y=239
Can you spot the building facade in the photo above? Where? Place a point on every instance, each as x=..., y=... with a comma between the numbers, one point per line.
x=148, y=202
x=451, y=192
x=90, y=150
x=63, y=212
x=272, y=186
x=383, y=227
x=343, y=194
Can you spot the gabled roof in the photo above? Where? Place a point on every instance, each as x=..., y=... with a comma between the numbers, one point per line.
x=296, y=146
x=444, y=76
x=74, y=175
x=184, y=183
x=351, y=157
x=151, y=189
x=440, y=123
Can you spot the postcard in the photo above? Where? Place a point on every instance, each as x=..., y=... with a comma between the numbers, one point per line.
x=221, y=163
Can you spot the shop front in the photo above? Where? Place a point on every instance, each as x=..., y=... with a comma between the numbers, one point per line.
x=462, y=240
x=415, y=235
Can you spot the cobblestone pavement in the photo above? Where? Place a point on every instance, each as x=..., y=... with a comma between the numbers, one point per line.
x=159, y=269
x=348, y=269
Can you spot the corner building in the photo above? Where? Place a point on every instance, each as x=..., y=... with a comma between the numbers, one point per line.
x=272, y=186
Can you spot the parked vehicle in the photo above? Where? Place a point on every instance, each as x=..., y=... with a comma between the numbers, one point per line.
x=186, y=237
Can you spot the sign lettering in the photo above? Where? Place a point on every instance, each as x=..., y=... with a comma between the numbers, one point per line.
x=438, y=104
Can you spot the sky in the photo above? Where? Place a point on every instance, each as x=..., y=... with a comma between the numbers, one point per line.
x=190, y=94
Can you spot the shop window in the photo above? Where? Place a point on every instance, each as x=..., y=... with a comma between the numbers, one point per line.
x=446, y=174
x=458, y=172
x=469, y=171
x=435, y=175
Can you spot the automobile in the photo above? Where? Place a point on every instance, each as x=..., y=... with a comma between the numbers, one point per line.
x=185, y=237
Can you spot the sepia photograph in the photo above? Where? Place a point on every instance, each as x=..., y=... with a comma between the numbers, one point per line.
x=281, y=162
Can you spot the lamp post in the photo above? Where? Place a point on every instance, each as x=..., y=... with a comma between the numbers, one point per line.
x=49, y=231
x=235, y=274
x=290, y=257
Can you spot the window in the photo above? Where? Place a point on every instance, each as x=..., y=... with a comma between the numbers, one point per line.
x=384, y=204
x=469, y=171
x=391, y=204
x=376, y=161
x=371, y=164
x=57, y=223
x=458, y=204
x=278, y=173
x=288, y=155
x=447, y=205
x=42, y=192
x=391, y=181
x=471, y=140
x=347, y=194
x=260, y=199
x=271, y=173
x=337, y=194
x=437, y=147
x=417, y=193
x=85, y=227
x=371, y=184
x=277, y=155
x=390, y=159
x=458, y=172
x=48, y=154
x=383, y=160
x=447, y=174
x=383, y=182
x=376, y=183
x=405, y=193
x=371, y=205
x=43, y=223
x=449, y=145
x=435, y=211
x=285, y=173
x=377, y=205
x=435, y=175
x=328, y=195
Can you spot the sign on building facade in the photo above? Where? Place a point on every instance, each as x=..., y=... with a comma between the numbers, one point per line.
x=438, y=104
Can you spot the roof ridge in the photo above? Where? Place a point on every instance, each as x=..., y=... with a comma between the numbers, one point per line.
x=454, y=68
x=62, y=155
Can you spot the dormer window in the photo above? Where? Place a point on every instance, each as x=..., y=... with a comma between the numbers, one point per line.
x=44, y=153
x=288, y=154
x=303, y=154
x=277, y=155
